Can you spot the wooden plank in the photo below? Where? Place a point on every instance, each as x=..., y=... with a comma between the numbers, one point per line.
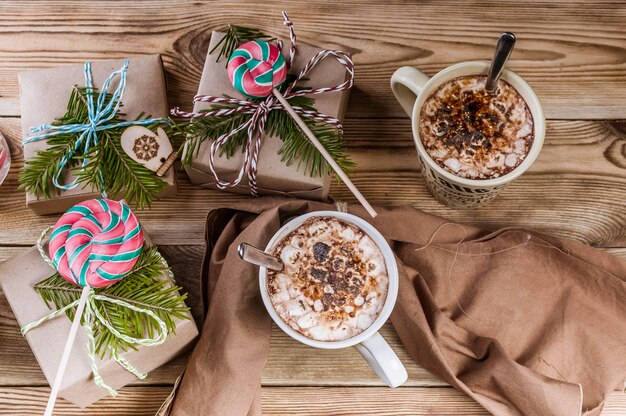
x=380, y=401
x=336, y=401
x=574, y=190
x=572, y=53
x=289, y=362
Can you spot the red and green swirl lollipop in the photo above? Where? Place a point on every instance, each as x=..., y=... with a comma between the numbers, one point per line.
x=96, y=243
x=256, y=67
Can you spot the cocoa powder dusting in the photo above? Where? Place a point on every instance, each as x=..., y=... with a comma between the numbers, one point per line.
x=474, y=133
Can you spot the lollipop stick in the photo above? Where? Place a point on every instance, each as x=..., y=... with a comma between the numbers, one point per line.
x=324, y=153
x=66, y=352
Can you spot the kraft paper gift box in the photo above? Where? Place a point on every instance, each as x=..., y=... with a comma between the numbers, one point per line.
x=18, y=275
x=273, y=176
x=44, y=94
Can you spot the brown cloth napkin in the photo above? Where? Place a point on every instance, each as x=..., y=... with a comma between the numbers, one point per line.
x=524, y=323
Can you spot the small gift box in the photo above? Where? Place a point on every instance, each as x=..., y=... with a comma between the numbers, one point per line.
x=273, y=175
x=44, y=97
x=18, y=277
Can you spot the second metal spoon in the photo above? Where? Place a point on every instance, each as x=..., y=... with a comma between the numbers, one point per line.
x=503, y=51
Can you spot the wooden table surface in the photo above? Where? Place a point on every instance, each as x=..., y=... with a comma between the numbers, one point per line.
x=572, y=53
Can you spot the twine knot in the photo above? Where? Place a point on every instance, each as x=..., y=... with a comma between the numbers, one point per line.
x=264, y=106
x=90, y=316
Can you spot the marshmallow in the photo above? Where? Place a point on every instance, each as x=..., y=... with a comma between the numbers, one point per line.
x=331, y=295
x=474, y=134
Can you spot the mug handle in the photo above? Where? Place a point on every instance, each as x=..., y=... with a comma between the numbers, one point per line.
x=407, y=83
x=383, y=360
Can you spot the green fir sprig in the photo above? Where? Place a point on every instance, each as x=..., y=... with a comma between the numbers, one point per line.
x=143, y=287
x=296, y=145
x=235, y=36
x=109, y=169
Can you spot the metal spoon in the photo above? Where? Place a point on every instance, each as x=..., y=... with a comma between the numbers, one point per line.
x=503, y=51
x=258, y=257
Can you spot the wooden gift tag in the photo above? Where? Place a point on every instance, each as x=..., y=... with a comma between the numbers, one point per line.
x=154, y=151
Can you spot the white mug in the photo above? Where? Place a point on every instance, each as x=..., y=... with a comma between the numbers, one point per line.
x=369, y=343
x=411, y=88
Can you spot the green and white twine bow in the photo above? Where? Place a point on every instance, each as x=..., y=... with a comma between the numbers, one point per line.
x=92, y=314
x=100, y=113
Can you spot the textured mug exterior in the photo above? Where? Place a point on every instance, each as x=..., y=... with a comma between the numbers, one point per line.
x=446, y=187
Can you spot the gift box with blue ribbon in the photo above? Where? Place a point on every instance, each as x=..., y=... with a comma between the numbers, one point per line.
x=139, y=86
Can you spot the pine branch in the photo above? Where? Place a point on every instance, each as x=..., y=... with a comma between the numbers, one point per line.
x=210, y=128
x=144, y=287
x=296, y=146
x=109, y=169
x=127, y=176
x=235, y=36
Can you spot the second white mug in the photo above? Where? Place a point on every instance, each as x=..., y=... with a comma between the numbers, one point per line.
x=369, y=343
x=412, y=87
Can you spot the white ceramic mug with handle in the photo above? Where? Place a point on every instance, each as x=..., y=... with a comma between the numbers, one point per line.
x=412, y=87
x=369, y=343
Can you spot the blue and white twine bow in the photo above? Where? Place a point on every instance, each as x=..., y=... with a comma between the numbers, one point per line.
x=100, y=113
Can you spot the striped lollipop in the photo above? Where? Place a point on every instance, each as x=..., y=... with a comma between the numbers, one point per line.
x=256, y=67
x=5, y=159
x=96, y=243
x=3, y=154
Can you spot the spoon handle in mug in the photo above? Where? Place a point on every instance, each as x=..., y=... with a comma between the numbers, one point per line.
x=503, y=51
x=258, y=257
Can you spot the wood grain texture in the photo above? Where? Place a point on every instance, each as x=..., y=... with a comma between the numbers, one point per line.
x=278, y=401
x=575, y=189
x=572, y=53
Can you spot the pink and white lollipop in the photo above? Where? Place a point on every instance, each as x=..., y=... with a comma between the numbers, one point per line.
x=96, y=243
x=256, y=67
x=5, y=158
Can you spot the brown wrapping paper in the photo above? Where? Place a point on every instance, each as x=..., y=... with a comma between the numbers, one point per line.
x=523, y=323
x=273, y=176
x=17, y=278
x=44, y=94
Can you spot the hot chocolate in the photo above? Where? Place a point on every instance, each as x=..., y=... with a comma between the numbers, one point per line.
x=474, y=133
x=334, y=283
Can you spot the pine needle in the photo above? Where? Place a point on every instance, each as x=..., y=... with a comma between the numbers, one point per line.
x=296, y=147
x=235, y=36
x=109, y=169
x=144, y=287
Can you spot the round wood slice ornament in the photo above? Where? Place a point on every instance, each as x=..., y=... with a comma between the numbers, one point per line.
x=5, y=158
x=154, y=151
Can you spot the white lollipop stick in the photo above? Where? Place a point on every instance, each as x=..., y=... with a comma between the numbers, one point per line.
x=324, y=153
x=66, y=352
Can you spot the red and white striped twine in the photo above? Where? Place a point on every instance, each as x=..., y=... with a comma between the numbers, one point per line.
x=260, y=111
